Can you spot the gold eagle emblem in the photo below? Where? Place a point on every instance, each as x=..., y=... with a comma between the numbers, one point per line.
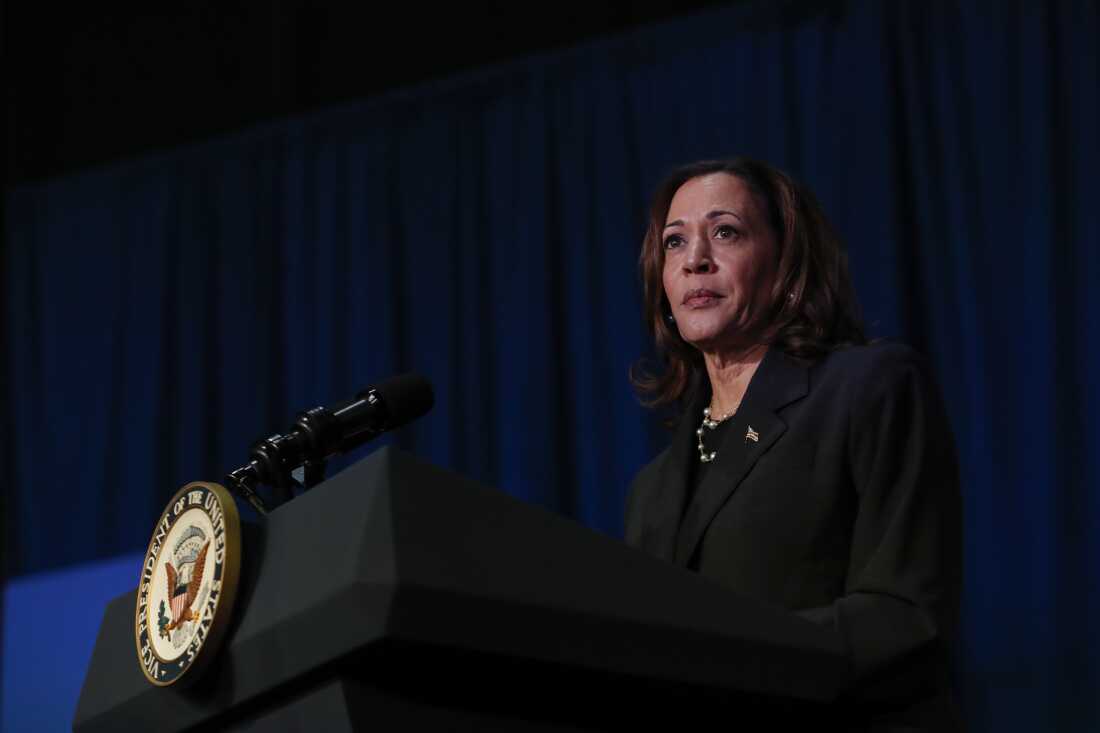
x=182, y=595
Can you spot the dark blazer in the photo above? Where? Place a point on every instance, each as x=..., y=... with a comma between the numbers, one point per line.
x=845, y=510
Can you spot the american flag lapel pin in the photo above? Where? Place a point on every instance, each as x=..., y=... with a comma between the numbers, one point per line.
x=752, y=435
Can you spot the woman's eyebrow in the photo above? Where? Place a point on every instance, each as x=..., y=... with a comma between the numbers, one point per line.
x=719, y=212
x=712, y=215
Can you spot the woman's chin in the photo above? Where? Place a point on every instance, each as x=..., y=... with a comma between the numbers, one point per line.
x=703, y=340
x=716, y=340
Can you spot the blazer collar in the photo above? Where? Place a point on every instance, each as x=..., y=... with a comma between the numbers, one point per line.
x=778, y=381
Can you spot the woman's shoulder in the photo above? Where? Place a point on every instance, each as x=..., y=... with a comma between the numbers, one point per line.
x=639, y=495
x=880, y=362
x=877, y=377
x=648, y=473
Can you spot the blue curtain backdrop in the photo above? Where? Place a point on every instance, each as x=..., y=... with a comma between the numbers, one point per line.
x=163, y=313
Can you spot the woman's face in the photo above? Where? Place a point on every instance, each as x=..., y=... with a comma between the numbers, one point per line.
x=720, y=256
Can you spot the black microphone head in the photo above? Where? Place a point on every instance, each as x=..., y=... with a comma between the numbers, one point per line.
x=406, y=397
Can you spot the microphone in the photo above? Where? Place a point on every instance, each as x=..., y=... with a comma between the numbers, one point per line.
x=322, y=432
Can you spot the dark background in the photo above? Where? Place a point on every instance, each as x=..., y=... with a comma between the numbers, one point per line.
x=90, y=83
x=219, y=214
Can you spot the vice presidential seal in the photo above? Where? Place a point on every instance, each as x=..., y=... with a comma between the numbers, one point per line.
x=188, y=583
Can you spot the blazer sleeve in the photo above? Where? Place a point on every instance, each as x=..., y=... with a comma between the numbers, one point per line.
x=902, y=593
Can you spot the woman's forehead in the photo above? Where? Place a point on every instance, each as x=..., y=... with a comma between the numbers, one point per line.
x=699, y=196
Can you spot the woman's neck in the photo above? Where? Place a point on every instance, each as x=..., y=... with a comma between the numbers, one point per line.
x=729, y=374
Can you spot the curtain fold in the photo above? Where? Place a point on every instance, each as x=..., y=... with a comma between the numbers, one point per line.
x=163, y=313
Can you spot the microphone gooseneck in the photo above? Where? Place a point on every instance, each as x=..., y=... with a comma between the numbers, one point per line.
x=320, y=433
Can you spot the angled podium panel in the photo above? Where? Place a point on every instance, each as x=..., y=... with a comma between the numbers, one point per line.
x=399, y=593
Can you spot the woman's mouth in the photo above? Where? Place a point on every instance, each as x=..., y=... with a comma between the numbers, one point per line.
x=700, y=298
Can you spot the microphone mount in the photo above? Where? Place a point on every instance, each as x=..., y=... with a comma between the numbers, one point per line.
x=300, y=456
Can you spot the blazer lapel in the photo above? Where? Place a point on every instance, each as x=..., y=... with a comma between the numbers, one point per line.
x=778, y=381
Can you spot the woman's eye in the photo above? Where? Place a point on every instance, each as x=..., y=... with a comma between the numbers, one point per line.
x=725, y=231
x=673, y=241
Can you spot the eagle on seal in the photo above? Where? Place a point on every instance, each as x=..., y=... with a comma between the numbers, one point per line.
x=182, y=594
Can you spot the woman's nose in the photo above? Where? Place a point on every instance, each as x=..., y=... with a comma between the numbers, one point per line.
x=698, y=260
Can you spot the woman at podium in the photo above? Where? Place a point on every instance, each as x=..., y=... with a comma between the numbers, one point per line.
x=808, y=468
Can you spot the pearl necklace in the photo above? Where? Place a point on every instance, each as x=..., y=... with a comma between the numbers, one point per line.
x=709, y=424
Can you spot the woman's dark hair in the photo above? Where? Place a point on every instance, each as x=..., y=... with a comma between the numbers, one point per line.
x=813, y=308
